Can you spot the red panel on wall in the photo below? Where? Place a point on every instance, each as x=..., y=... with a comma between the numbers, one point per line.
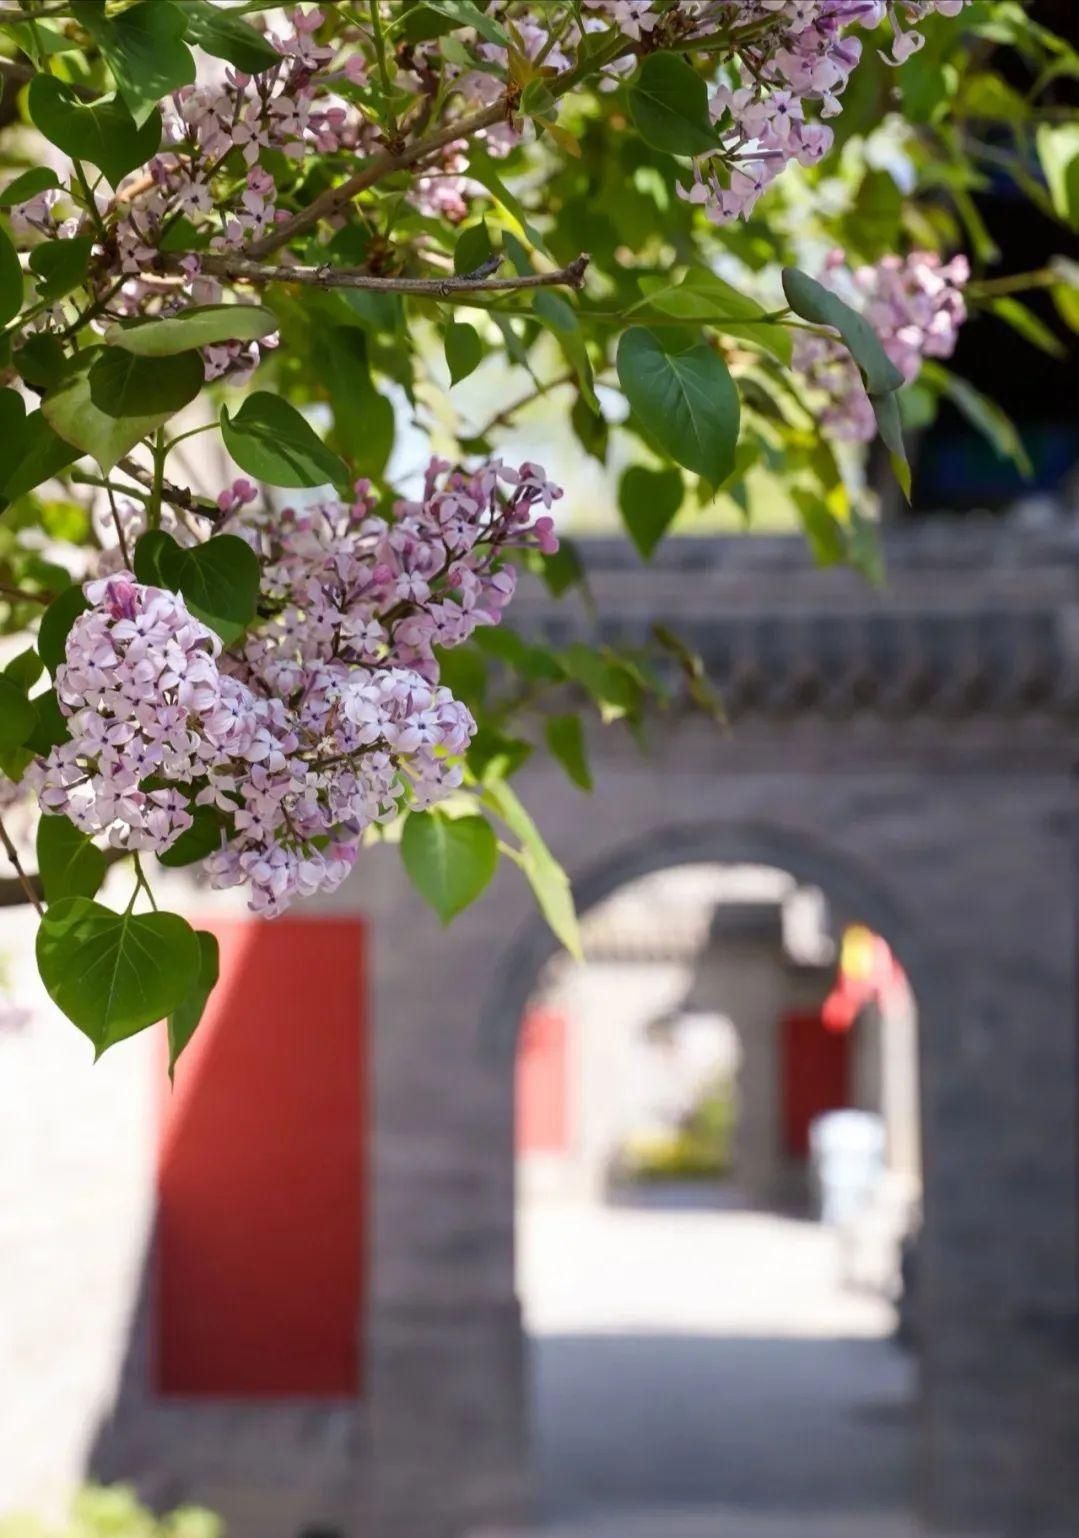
x=542, y=1121
x=816, y=1077
x=261, y=1221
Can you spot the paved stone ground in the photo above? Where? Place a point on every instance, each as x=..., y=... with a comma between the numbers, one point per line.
x=702, y=1373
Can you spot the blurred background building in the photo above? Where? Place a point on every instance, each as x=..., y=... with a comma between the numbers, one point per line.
x=796, y=1175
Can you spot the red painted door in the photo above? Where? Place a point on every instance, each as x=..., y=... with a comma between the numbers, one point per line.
x=816, y=1076
x=542, y=1121
x=261, y=1189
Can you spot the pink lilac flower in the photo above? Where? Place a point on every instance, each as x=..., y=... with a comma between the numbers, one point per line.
x=914, y=304
x=328, y=717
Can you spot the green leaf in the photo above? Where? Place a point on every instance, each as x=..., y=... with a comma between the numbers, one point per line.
x=561, y=320
x=228, y=37
x=648, y=501
x=464, y=350
x=145, y=49
x=668, y=102
x=813, y=302
x=219, y=579
x=565, y=739
x=203, y=325
x=363, y=418
x=61, y=265
x=493, y=756
x=473, y=248
x=1058, y=151
x=30, y=452
x=114, y=974
x=700, y=295
x=69, y=862
x=24, y=669
x=1029, y=326
x=10, y=280
x=55, y=624
x=17, y=719
x=185, y=1016
x=104, y=133
x=27, y=185
x=41, y=361
x=483, y=169
x=271, y=441
x=686, y=402
x=201, y=839
x=463, y=13
x=549, y=882
x=71, y=410
x=890, y=426
x=50, y=724
x=123, y=384
x=449, y=859
x=564, y=569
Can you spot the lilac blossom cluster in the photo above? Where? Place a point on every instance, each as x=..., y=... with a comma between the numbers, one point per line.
x=914, y=304
x=328, y=718
x=796, y=54
x=292, y=108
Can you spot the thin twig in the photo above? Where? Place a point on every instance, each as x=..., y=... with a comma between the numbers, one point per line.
x=333, y=200
x=20, y=595
x=31, y=892
x=502, y=418
x=118, y=527
x=242, y=269
x=175, y=496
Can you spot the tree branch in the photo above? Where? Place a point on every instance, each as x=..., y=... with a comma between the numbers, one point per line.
x=176, y=496
x=333, y=200
x=242, y=269
x=31, y=891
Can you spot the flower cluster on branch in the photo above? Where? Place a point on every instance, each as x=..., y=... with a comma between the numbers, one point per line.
x=328, y=717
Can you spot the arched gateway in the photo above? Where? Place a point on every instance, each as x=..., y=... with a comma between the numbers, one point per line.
x=908, y=749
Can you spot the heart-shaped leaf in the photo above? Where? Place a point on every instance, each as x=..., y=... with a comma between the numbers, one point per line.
x=30, y=451
x=123, y=384
x=449, y=859
x=104, y=133
x=648, y=501
x=271, y=441
x=686, y=402
x=114, y=974
x=219, y=580
x=17, y=718
x=203, y=325
x=464, y=350
x=55, y=624
x=69, y=862
x=27, y=185
x=70, y=409
x=60, y=265
x=145, y=49
x=668, y=102
x=185, y=1017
